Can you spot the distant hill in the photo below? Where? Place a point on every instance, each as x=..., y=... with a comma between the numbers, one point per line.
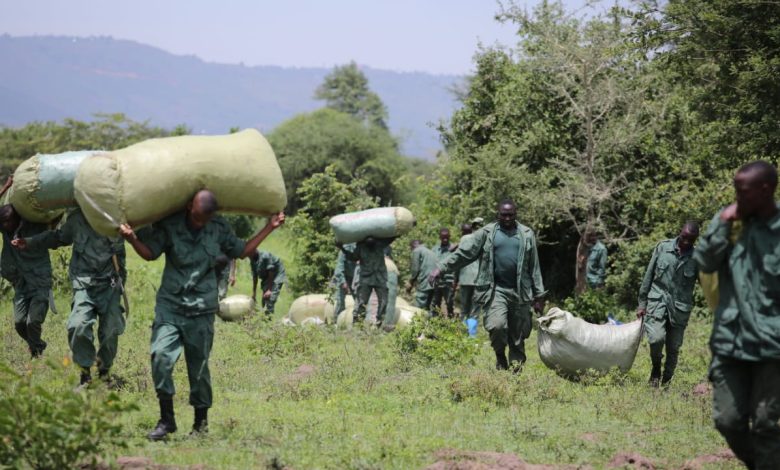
x=51, y=78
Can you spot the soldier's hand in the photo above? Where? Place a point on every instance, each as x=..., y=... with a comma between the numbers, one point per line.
x=730, y=213
x=232, y=280
x=434, y=275
x=640, y=312
x=127, y=232
x=267, y=295
x=19, y=243
x=277, y=220
x=539, y=306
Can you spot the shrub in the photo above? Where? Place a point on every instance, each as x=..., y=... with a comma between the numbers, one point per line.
x=437, y=340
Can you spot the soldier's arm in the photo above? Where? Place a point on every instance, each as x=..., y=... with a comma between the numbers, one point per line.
x=253, y=268
x=351, y=255
x=51, y=239
x=233, y=243
x=415, y=267
x=710, y=252
x=467, y=252
x=536, y=272
x=149, y=243
x=338, y=273
x=603, y=264
x=647, y=280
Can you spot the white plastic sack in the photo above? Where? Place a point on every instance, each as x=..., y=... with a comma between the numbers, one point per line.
x=235, y=307
x=571, y=345
x=308, y=306
x=383, y=222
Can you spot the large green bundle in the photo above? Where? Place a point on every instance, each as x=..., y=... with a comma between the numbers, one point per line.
x=43, y=185
x=145, y=182
x=383, y=222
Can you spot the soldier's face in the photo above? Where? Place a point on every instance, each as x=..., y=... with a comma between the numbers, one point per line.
x=687, y=239
x=507, y=214
x=196, y=217
x=444, y=237
x=752, y=193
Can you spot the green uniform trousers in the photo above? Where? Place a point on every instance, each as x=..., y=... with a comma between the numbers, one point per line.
x=173, y=333
x=268, y=305
x=447, y=294
x=746, y=409
x=95, y=304
x=363, y=294
x=508, y=322
x=467, y=305
x=341, y=298
x=660, y=332
x=423, y=298
x=30, y=311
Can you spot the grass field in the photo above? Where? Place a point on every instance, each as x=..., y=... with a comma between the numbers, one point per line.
x=322, y=398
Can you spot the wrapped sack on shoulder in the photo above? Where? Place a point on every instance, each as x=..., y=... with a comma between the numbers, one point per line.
x=148, y=181
x=43, y=185
x=570, y=345
x=383, y=222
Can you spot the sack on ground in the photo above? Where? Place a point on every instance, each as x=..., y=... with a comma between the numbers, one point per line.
x=43, y=185
x=150, y=180
x=235, y=307
x=383, y=222
x=571, y=345
x=329, y=314
x=406, y=314
x=308, y=306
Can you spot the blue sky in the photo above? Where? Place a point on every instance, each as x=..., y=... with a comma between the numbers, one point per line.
x=437, y=36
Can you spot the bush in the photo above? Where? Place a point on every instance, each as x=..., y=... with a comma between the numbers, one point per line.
x=45, y=429
x=437, y=340
x=593, y=306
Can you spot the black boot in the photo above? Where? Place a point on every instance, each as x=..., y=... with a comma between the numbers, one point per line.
x=167, y=423
x=201, y=424
x=666, y=379
x=501, y=361
x=655, y=376
x=85, y=380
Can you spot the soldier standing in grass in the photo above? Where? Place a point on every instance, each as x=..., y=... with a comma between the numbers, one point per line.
x=745, y=340
x=444, y=288
x=29, y=272
x=596, y=262
x=269, y=269
x=192, y=240
x=97, y=274
x=373, y=275
x=423, y=263
x=343, y=276
x=666, y=299
x=509, y=265
x=466, y=277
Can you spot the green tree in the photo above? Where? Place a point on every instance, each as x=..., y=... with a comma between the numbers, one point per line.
x=322, y=196
x=346, y=90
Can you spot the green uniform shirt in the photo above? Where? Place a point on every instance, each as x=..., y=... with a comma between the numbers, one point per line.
x=596, y=268
x=505, y=246
x=373, y=271
x=90, y=261
x=30, y=267
x=467, y=275
x=747, y=318
x=345, y=267
x=668, y=283
x=189, y=283
x=423, y=262
x=480, y=247
x=265, y=264
x=442, y=253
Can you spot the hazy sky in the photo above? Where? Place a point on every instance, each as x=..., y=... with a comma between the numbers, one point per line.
x=438, y=36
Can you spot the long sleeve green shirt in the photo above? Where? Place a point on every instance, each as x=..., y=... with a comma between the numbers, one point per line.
x=189, y=283
x=747, y=318
x=467, y=275
x=596, y=267
x=373, y=271
x=28, y=269
x=423, y=262
x=90, y=261
x=267, y=264
x=481, y=247
x=668, y=283
x=345, y=267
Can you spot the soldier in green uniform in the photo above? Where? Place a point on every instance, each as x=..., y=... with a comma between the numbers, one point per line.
x=509, y=265
x=97, y=274
x=192, y=240
x=29, y=272
x=666, y=299
x=466, y=277
x=269, y=269
x=373, y=275
x=423, y=263
x=596, y=264
x=745, y=340
x=444, y=288
x=343, y=276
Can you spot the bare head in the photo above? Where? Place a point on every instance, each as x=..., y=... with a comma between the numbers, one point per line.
x=414, y=244
x=444, y=236
x=591, y=237
x=507, y=214
x=466, y=229
x=9, y=218
x=688, y=235
x=201, y=208
x=755, y=185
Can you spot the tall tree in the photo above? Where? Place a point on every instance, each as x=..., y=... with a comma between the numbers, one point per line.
x=346, y=89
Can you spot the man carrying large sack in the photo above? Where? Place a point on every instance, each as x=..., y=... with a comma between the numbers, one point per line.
x=745, y=340
x=666, y=299
x=373, y=275
x=29, y=272
x=343, y=276
x=422, y=265
x=192, y=240
x=97, y=274
x=269, y=270
x=509, y=266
